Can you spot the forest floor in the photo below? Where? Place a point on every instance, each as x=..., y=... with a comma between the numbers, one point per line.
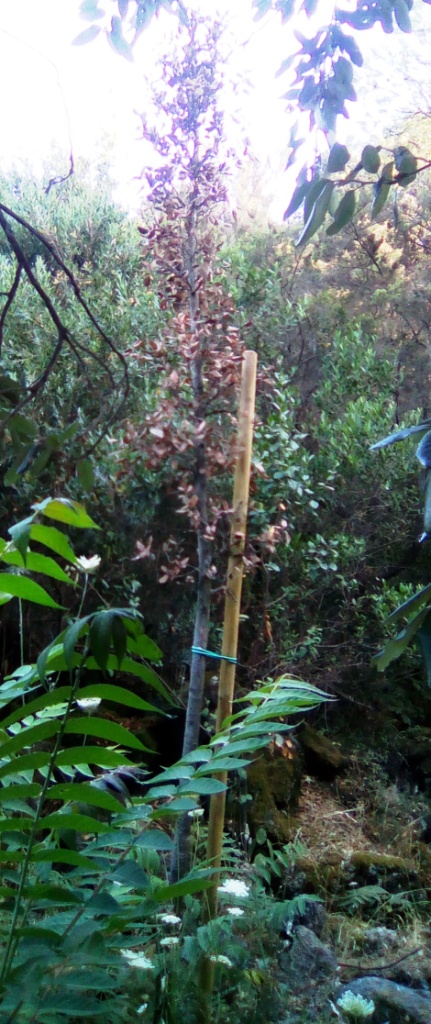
x=364, y=842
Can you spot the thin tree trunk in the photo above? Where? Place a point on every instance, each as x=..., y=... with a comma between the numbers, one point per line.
x=181, y=854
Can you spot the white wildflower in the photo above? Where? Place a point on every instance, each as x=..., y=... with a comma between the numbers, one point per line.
x=356, y=1006
x=88, y=704
x=234, y=887
x=137, y=959
x=88, y=565
x=170, y=940
x=196, y=813
x=235, y=911
x=169, y=918
x=220, y=959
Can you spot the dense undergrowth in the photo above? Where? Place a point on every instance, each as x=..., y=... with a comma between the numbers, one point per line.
x=332, y=550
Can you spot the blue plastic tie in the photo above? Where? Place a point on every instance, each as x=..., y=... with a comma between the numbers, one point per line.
x=212, y=654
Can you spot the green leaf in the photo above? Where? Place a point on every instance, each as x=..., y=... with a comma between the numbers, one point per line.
x=66, y=511
x=85, y=474
x=117, y=40
x=89, y=9
x=394, y=648
x=338, y=158
x=203, y=787
x=197, y=881
x=154, y=839
x=28, y=736
x=344, y=213
x=61, y=856
x=400, y=435
x=71, y=637
x=103, y=729
x=73, y=820
x=130, y=873
x=20, y=534
x=315, y=188
x=411, y=605
x=85, y=792
x=100, y=637
x=142, y=645
x=297, y=199
x=423, y=451
x=100, y=756
x=35, y=562
x=54, y=540
x=20, y=791
x=119, y=638
x=220, y=763
x=317, y=215
x=402, y=16
x=86, y=36
x=382, y=189
x=118, y=695
x=26, y=589
x=406, y=165
x=427, y=505
x=46, y=700
x=25, y=762
x=133, y=668
x=424, y=640
x=370, y=159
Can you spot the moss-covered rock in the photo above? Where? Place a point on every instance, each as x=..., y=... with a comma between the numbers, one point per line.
x=274, y=781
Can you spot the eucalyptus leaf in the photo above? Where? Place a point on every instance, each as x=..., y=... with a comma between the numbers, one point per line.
x=344, y=213
x=86, y=36
x=424, y=640
x=382, y=189
x=395, y=647
x=338, y=158
x=423, y=451
x=370, y=159
x=402, y=16
x=317, y=215
x=400, y=435
x=427, y=505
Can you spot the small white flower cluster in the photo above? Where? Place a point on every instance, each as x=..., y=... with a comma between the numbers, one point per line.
x=88, y=704
x=88, y=565
x=220, y=959
x=137, y=959
x=168, y=918
x=234, y=887
x=356, y=1006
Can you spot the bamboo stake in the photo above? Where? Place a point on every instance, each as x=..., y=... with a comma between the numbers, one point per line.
x=230, y=639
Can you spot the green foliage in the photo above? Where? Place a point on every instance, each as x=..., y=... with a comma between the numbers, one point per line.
x=79, y=910
x=123, y=20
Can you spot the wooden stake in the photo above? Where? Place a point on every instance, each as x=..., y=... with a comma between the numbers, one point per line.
x=230, y=639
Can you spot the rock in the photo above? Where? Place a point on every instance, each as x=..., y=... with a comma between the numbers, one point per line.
x=395, y=1003
x=379, y=940
x=312, y=915
x=323, y=758
x=308, y=963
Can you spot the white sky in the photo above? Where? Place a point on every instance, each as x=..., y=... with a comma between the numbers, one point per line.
x=99, y=90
